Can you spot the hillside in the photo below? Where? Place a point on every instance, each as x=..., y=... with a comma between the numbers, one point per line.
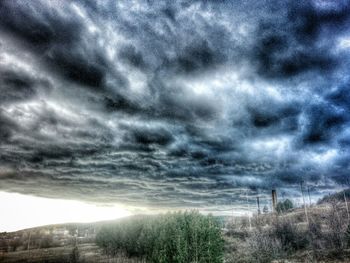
x=284, y=237
x=339, y=196
x=55, y=243
x=321, y=236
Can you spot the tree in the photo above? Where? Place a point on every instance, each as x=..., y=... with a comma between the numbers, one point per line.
x=284, y=206
x=265, y=209
x=74, y=256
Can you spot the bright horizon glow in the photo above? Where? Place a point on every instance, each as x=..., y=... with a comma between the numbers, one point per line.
x=20, y=211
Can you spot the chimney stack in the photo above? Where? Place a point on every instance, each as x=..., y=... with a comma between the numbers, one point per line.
x=274, y=200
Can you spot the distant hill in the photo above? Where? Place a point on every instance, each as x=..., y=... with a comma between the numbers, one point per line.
x=245, y=240
x=339, y=196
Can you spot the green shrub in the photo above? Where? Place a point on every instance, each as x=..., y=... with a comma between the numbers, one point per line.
x=170, y=238
x=284, y=206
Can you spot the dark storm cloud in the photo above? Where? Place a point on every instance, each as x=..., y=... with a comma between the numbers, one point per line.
x=299, y=41
x=37, y=25
x=147, y=136
x=173, y=104
x=197, y=57
x=283, y=116
x=15, y=87
x=340, y=97
x=78, y=68
x=57, y=37
x=7, y=127
x=130, y=55
x=325, y=122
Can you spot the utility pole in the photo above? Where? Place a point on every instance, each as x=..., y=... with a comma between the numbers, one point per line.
x=346, y=205
x=232, y=203
x=76, y=236
x=250, y=223
x=30, y=235
x=232, y=208
x=305, y=209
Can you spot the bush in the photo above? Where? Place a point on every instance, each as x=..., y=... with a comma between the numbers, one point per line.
x=316, y=236
x=347, y=236
x=281, y=238
x=336, y=225
x=74, y=256
x=289, y=236
x=263, y=247
x=171, y=238
x=284, y=206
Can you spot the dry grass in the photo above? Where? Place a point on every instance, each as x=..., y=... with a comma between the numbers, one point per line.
x=89, y=253
x=288, y=238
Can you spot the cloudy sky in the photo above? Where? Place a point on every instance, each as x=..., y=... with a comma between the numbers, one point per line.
x=174, y=104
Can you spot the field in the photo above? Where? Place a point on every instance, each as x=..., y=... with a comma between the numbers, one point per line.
x=270, y=237
x=89, y=253
x=287, y=237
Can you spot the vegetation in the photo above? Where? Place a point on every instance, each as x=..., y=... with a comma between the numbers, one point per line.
x=74, y=256
x=290, y=235
x=339, y=196
x=170, y=238
x=287, y=236
x=284, y=206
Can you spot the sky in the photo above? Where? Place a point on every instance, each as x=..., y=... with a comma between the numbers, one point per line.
x=174, y=104
x=20, y=211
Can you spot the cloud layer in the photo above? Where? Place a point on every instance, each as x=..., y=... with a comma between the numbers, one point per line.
x=173, y=104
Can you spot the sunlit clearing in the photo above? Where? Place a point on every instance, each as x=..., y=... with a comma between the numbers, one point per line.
x=22, y=211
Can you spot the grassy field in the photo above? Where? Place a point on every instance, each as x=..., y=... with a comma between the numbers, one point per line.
x=88, y=253
x=287, y=237
x=272, y=237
